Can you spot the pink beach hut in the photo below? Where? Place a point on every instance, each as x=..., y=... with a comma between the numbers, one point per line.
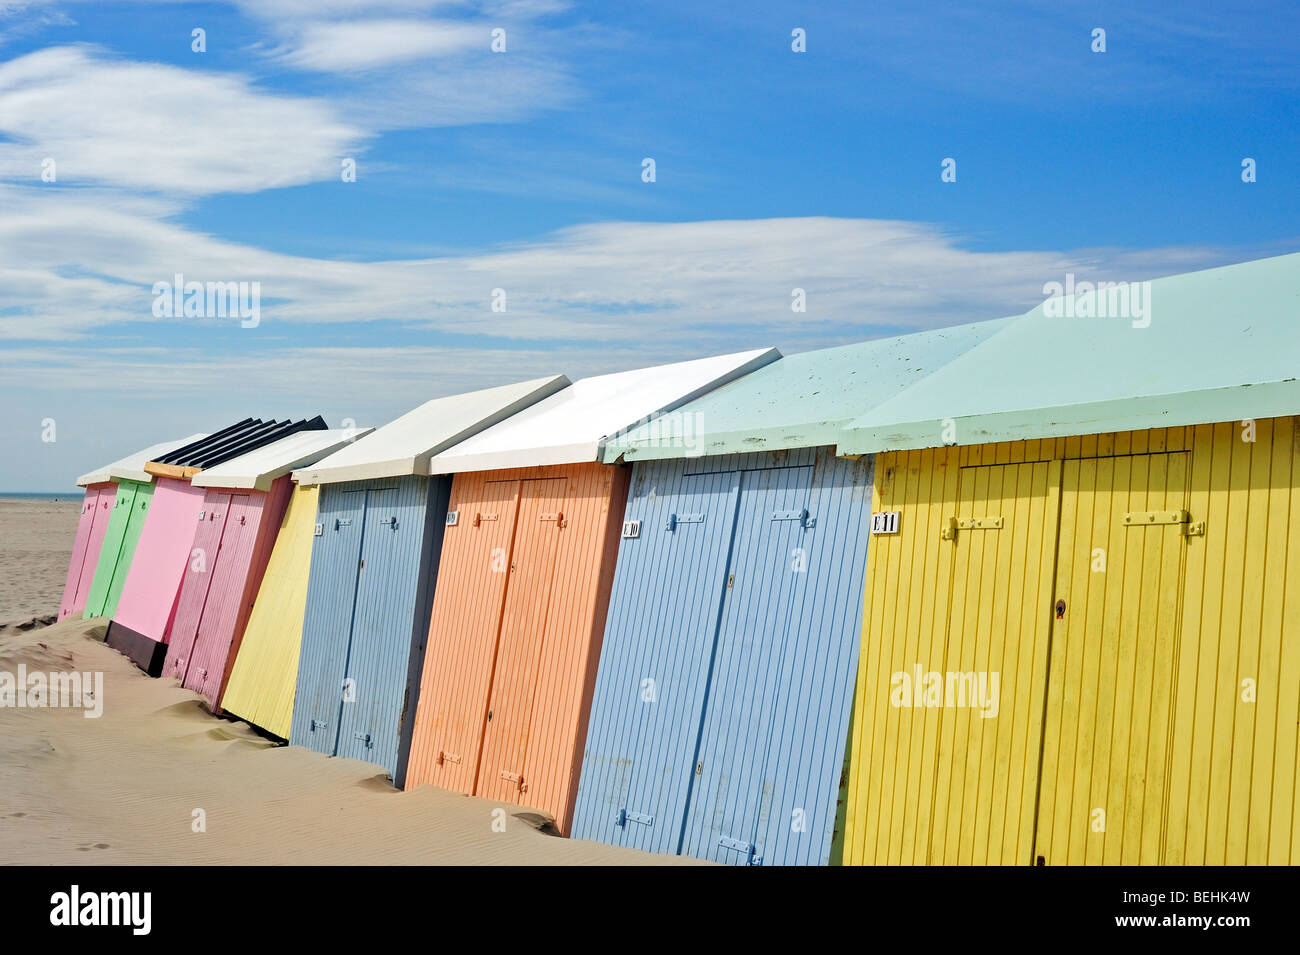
x=243, y=507
x=142, y=622
x=96, y=511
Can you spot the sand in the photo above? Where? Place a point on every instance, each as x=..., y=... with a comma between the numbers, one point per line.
x=35, y=546
x=131, y=786
x=124, y=788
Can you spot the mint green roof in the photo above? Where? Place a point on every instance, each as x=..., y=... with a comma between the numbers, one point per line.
x=1222, y=345
x=798, y=401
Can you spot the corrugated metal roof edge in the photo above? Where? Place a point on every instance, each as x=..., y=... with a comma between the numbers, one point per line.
x=1236, y=403
x=114, y=471
x=264, y=480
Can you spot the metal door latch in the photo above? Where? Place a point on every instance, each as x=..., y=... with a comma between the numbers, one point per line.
x=1190, y=528
x=622, y=817
x=746, y=848
x=800, y=515
x=364, y=737
x=954, y=524
x=675, y=519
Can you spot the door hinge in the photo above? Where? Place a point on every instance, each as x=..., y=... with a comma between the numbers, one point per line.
x=363, y=737
x=445, y=757
x=1190, y=528
x=515, y=778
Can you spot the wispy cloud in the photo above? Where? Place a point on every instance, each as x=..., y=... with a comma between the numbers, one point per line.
x=80, y=267
x=349, y=45
x=155, y=127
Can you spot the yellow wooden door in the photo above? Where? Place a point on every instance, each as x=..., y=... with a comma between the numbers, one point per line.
x=1106, y=745
x=1003, y=547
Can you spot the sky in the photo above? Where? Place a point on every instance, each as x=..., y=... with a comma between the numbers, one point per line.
x=502, y=223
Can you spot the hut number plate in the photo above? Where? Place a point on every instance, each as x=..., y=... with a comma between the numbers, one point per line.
x=884, y=522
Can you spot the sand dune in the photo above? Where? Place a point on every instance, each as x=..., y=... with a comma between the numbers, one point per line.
x=124, y=788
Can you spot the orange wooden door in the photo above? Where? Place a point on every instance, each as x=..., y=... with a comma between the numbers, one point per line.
x=463, y=632
x=524, y=628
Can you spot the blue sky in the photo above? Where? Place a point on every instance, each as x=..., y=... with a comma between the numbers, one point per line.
x=522, y=170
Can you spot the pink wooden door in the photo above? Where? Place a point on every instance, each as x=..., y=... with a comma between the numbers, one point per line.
x=197, y=583
x=91, y=528
x=225, y=597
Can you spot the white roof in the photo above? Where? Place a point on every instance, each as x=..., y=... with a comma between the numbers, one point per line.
x=131, y=467
x=405, y=446
x=258, y=469
x=571, y=427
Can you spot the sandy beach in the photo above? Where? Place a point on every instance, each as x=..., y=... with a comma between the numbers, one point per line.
x=156, y=779
x=36, y=538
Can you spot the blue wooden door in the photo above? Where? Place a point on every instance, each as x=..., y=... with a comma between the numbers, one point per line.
x=327, y=619
x=387, y=581
x=732, y=794
x=653, y=676
x=749, y=629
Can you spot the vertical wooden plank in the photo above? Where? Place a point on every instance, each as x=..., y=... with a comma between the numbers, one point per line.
x=1229, y=633
x=1284, y=813
x=1183, y=800
x=1266, y=766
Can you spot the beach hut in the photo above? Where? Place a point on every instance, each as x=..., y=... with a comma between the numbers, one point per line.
x=1082, y=644
x=374, y=563
x=97, y=510
x=527, y=562
x=262, y=680
x=244, y=503
x=722, y=697
x=145, y=609
x=130, y=505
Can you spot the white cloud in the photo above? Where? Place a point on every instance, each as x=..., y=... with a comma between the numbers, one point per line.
x=155, y=127
x=80, y=265
x=359, y=45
